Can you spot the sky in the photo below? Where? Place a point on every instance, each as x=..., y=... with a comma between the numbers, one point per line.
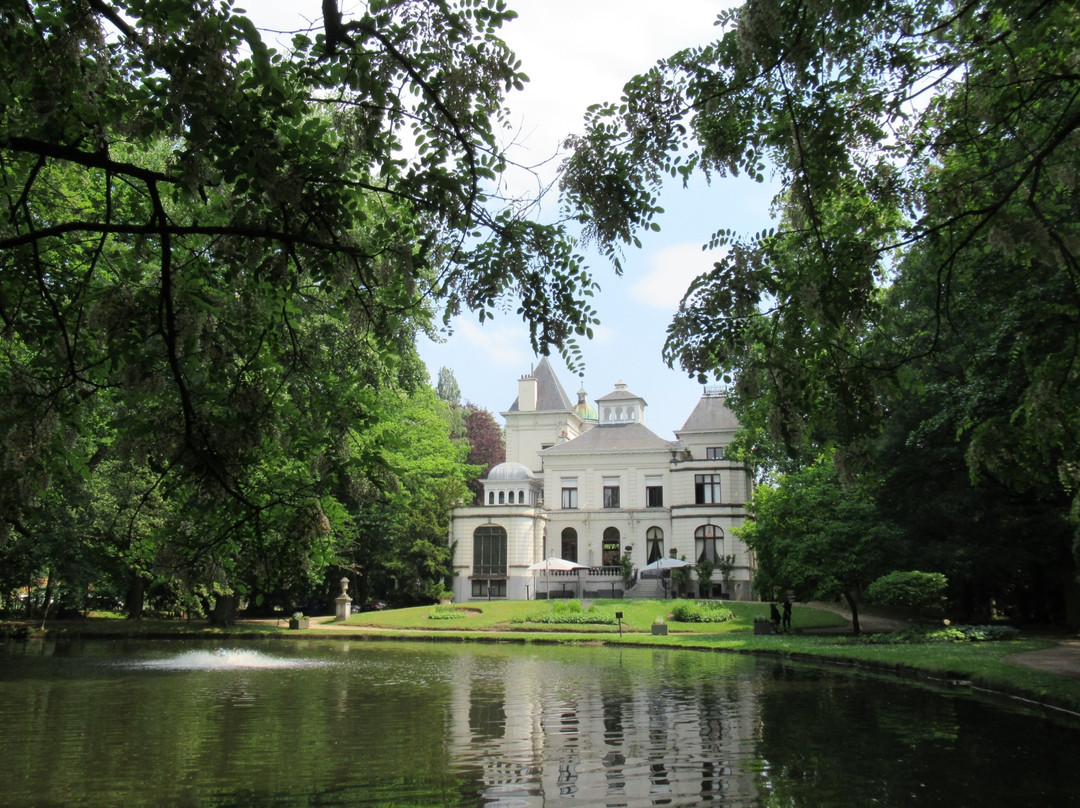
x=577, y=53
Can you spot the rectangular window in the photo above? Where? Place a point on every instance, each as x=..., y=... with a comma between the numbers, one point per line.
x=489, y=589
x=489, y=551
x=714, y=453
x=654, y=492
x=706, y=489
x=569, y=493
x=611, y=492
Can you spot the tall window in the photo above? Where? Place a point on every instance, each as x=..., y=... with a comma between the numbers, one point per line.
x=654, y=544
x=610, y=547
x=569, y=544
x=569, y=492
x=706, y=489
x=654, y=492
x=714, y=453
x=611, y=492
x=511, y=497
x=489, y=551
x=491, y=497
x=489, y=588
x=709, y=543
x=502, y=497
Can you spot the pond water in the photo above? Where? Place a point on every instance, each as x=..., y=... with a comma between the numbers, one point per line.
x=321, y=723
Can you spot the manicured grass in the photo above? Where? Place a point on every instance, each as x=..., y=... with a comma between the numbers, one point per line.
x=638, y=616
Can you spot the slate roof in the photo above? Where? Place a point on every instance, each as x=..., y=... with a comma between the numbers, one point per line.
x=550, y=394
x=613, y=437
x=711, y=414
x=621, y=395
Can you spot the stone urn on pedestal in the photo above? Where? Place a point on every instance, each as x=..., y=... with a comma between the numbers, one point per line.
x=342, y=603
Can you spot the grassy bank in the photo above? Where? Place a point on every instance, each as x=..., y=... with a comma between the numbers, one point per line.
x=637, y=616
x=818, y=636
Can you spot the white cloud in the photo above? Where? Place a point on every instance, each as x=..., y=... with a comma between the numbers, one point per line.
x=581, y=52
x=501, y=345
x=672, y=270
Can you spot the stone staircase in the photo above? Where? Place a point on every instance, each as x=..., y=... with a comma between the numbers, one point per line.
x=647, y=588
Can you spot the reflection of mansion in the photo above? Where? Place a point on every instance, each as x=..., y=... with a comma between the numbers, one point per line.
x=587, y=485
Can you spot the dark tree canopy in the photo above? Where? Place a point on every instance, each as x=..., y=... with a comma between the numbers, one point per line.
x=215, y=256
x=903, y=131
x=924, y=263
x=487, y=447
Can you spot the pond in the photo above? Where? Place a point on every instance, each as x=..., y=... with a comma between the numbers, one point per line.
x=334, y=723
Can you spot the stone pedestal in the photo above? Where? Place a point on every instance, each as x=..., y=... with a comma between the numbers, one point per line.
x=343, y=603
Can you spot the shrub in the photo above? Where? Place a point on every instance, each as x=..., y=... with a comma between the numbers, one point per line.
x=570, y=612
x=446, y=612
x=946, y=634
x=914, y=590
x=685, y=611
x=566, y=606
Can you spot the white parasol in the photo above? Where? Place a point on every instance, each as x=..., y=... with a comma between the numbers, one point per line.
x=554, y=564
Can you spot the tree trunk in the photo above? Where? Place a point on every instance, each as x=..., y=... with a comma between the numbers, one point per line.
x=224, y=611
x=1072, y=601
x=853, y=604
x=48, y=596
x=136, y=598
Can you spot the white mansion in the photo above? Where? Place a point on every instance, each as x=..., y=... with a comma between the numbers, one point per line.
x=586, y=484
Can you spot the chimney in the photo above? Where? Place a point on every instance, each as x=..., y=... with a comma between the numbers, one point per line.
x=527, y=393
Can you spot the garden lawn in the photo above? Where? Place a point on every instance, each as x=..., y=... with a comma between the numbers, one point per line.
x=638, y=617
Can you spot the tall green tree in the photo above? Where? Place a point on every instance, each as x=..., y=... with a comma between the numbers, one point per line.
x=213, y=253
x=400, y=549
x=927, y=233
x=818, y=537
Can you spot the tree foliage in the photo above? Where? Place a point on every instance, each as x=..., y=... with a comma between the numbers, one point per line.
x=911, y=589
x=487, y=447
x=816, y=536
x=215, y=256
x=924, y=263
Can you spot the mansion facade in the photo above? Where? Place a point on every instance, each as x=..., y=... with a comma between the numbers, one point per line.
x=590, y=484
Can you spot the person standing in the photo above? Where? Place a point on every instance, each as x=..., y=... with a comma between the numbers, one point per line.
x=774, y=616
x=787, y=614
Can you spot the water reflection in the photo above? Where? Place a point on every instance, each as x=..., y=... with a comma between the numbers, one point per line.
x=648, y=731
x=367, y=724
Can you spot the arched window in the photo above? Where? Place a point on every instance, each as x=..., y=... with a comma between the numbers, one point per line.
x=569, y=544
x=654, y=544
x=502, y=497
x=511, y=497
x=609, y=555
x=489, y=551
x=491, y=497
x=521, y=497
x=709, y=543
